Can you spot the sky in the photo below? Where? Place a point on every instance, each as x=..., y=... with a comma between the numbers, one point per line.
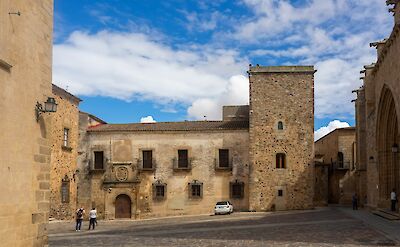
x=154, y=61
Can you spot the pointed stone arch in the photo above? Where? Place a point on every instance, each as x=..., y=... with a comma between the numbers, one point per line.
x=387, y=135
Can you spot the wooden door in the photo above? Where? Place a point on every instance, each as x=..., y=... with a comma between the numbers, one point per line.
x=122, y=207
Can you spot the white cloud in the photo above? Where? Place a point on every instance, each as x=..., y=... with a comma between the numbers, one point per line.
x=237, y=93
x=335, y=124
x=134, y=66
x=148, y=119
x=334, y=35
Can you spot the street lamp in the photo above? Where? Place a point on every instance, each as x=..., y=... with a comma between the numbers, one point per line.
x=49, y=106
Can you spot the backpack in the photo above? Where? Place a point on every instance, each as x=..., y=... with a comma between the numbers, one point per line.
x=79, y=214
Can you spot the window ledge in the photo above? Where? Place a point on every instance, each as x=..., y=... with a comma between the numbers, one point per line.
x=182, y=168
x=66, y=148
x=223, y=168
x=147, y=169
x=97, y=170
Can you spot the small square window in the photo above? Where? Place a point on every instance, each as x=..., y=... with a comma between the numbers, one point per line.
x=195, y=189
x=280, y=193
x=159, y=190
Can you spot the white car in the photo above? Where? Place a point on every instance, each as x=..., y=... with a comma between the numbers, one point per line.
x=224, y=207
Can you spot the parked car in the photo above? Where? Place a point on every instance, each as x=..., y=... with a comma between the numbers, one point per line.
x=224, y=207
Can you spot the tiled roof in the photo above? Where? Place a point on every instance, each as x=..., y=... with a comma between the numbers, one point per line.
x=173, y=126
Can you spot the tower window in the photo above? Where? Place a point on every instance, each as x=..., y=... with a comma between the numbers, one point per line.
x=280, y=160
x=280, y=125
x=66, y=138
x=280, y=193
x=183, y=160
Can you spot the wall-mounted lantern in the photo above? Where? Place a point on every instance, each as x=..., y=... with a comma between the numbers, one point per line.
x=395, y=148
x=49, y=106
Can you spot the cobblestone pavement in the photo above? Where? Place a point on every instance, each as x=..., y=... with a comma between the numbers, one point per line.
x=321, y=227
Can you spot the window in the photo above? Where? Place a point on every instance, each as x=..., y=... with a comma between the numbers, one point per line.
x=159, y=190
x=280, y=193
x=183, y=161
x=237, y=189
x=280, y=160
x=65, y=189
x=98, y=160
x=66, y=138
x=147, y=159
x=280, y=125
x=195, y=189
x=340, y=160
x=223, y=158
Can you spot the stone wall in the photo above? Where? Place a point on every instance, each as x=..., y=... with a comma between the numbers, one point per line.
x=64, y=158
x=283, y=94
x=380, y=78
x=123, y=150
x=25, y=79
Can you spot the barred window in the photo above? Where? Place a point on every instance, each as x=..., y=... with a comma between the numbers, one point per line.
x=237, y=189
x=65, y=185
x=196, y=189
x=159, y=190
x=280, y=160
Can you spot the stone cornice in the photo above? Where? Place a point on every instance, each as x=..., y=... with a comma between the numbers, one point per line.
x=281, y=69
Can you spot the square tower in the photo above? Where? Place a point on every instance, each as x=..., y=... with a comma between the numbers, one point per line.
x=281, y=137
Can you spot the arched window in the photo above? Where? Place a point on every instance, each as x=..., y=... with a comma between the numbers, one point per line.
x=65, y=184
x=280, y=160
x=280, y=125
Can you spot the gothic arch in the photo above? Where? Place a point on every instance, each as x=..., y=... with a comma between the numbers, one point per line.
x=387, y=135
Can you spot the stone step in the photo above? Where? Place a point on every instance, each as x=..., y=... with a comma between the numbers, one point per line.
x=385, y=215
x=389, y=212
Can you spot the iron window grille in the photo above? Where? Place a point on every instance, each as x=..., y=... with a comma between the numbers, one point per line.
x=159, y=190
x=237, y=190
x=195, y=190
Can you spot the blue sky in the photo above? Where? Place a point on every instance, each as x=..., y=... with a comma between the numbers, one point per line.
x=182, y=60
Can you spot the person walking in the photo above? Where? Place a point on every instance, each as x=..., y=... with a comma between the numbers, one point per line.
x=92, y=218
x=79, y=218
x=393, y=199
x=355, y=201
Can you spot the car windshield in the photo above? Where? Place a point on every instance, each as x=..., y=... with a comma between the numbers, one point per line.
x=222, y=203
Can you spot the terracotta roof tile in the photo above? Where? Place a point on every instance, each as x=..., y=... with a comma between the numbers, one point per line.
x=173, y=126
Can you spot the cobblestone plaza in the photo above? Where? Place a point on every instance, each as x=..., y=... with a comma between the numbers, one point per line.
x=320, y=227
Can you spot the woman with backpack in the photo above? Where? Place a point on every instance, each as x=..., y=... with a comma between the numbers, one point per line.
x=79, y=218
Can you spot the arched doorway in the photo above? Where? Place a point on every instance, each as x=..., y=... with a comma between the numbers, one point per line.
x=387, y=146
x=122, y=207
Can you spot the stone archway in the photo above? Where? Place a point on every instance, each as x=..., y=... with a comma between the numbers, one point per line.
x=387, y=146
x=123, y=206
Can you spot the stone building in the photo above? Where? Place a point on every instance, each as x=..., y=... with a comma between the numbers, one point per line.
x=25, y=78
x=338, y=153
x=259, y=156
x=377, y=111
x=64, y=153
x=281, y=137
